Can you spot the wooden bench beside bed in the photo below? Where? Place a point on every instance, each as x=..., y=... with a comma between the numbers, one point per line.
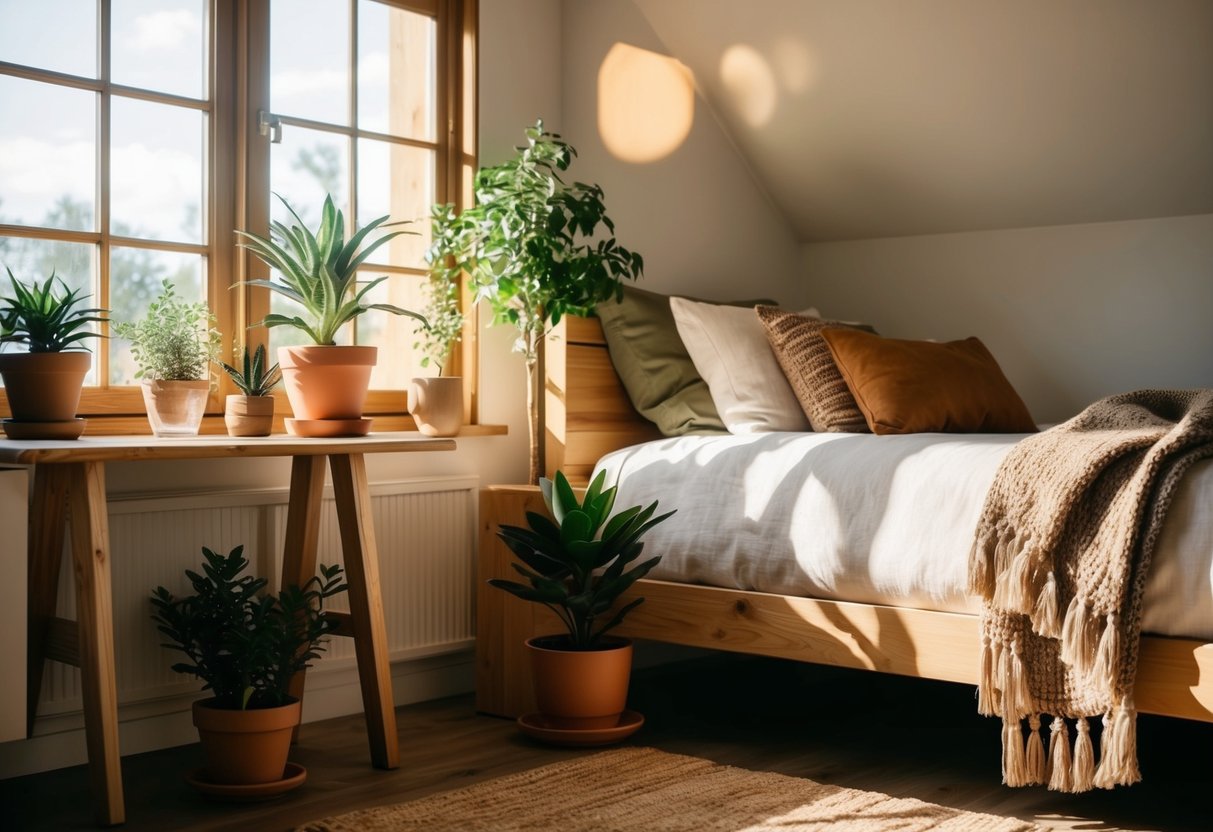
x=588, y=414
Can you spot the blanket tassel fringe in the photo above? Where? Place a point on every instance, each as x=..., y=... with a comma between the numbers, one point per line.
x=1060, y=779
x=1065, y=771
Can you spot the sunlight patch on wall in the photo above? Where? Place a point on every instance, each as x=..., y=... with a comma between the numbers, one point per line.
x=796, y=67
x=646, y=103
x=749, y=82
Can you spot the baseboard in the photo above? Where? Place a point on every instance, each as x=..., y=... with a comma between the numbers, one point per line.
x=166, y=723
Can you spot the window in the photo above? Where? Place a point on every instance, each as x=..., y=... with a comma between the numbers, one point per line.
x=130, y=151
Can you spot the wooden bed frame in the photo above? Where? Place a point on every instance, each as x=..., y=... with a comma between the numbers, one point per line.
x=587, y=415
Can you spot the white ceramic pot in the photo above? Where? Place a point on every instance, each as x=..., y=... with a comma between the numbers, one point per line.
x=436, y=405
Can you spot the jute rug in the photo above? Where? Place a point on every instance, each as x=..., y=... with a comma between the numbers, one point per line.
x=647, y=790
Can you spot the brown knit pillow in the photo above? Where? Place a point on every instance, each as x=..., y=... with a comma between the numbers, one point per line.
x=926, y=386
x=806, y=361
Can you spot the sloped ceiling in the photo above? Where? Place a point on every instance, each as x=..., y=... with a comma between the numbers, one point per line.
x=886, y=118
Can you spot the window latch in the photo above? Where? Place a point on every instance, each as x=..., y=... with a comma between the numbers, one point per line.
x=270, y=125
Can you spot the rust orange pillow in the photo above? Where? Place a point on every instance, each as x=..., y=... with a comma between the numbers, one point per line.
x=926, y=386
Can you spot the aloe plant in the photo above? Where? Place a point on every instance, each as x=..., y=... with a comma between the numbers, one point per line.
x=319, y=271
x=256, y=379
x=46, y=320
x=575, y=562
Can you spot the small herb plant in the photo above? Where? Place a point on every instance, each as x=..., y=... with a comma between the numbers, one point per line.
x=255, y=379
x=176, y=341
x=319, y=270
x=46, y=320
x=575, y=562
x=443, y=313
x=244, y=644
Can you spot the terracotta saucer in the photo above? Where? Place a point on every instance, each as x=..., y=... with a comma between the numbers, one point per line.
x=328, y=428
x=534, y=725
x=70, y=429
x=293, y=777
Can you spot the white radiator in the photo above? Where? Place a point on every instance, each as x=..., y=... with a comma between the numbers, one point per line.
x=424, y=529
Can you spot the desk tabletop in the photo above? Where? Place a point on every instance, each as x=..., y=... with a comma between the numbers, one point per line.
x=129, y=448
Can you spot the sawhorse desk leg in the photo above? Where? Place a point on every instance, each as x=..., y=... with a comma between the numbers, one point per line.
x=88, y=642
x=356, y=520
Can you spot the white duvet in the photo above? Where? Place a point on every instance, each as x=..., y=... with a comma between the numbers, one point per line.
x=875, y=519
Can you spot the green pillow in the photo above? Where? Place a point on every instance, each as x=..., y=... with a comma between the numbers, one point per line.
x=654, y=366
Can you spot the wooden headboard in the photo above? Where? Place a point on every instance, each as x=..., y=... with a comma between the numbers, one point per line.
x=587, y=412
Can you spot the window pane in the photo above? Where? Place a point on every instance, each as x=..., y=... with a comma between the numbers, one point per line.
x=59, y=35
x=136, y=275
x=156, y=171
x=306, y=166
x=310, y=59
x=397, y=180
x=160, y=45
x=397, y=68
x=48, y=156
x=34, y=260
x=393, y=334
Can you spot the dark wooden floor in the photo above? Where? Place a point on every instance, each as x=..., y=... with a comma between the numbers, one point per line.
x=904, y=737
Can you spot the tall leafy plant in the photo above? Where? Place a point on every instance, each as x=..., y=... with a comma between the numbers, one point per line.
x=536, y=248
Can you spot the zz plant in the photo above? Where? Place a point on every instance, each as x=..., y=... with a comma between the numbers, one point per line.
x=576, y=562
x=245, y=644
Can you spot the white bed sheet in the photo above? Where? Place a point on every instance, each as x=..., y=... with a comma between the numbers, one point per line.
x=875, y=519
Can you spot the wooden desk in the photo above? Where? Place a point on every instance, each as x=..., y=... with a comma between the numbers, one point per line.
x=69, y=488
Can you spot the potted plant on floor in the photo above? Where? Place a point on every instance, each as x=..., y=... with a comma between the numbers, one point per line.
x=536, y=249
x=251, y=411
x=436, y=402
x=575, y=563
x=326, y=384
x=245, y=645
x=173, y=347
x=43, y=384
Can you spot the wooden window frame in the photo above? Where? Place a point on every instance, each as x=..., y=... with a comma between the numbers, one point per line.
x=238, y=157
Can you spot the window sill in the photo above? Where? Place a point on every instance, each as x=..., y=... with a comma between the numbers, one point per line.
x=213, y=425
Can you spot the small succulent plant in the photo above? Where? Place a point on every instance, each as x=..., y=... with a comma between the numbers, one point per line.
x=256, y=379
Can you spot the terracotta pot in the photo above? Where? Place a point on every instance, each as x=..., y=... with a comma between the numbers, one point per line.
x=328, y=382
x=248, y=415
x=175, y=408
x=436, y=405
x=245, y=747
x=44, y=386
x=580, y=689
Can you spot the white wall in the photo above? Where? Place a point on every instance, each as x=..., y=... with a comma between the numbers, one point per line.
x=520, y=54
x=1072, y=313
x=698, y=216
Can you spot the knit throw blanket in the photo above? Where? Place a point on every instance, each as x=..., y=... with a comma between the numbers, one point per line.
x=1060, y=559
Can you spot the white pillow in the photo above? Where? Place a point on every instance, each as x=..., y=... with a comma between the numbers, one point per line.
x=730, y=350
